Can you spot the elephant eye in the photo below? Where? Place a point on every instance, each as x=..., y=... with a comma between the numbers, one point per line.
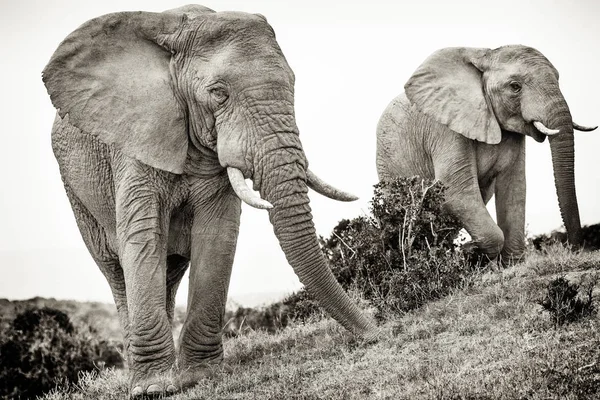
x=219, y=94
x=515, y=86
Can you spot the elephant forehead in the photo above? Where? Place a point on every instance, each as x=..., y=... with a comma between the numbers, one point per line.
x=523, y=69
x=518, y=59
x=516, y=52
x=228, y=25
x=231, y=41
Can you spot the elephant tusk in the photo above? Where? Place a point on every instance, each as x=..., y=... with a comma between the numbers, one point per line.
x=583, y=128
x=243, y=191
x=546, y=131
x=320, y=186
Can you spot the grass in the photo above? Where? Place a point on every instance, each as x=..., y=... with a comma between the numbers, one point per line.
x=490, y=340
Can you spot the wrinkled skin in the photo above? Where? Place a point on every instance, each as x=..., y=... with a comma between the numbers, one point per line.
x=463, y=119
x=154, y=109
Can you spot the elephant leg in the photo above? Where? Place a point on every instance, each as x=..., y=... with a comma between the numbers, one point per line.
x=456, y=167
x=510, y=208
x=176, y=267
x=214, y=238
x=95, y=239
x=143, y=212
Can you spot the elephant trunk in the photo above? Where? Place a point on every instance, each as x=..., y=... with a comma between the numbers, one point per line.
x=562, y=147
x=280, y=176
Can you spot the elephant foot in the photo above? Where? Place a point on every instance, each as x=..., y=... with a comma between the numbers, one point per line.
x=511, y=257
x=191, y=376
x=156, y=386
x=477, y=257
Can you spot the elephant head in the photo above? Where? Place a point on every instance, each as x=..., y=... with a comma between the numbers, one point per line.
x=481, y=92
x=158, y=86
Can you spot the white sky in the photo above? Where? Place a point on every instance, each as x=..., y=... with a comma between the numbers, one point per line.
x=350, y=60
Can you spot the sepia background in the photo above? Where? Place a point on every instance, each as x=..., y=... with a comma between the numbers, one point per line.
x=350, y=60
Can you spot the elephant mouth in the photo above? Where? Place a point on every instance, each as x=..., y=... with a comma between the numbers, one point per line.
x=248, y=196
x=538, y=131
x=241, y=189
x=545, y=130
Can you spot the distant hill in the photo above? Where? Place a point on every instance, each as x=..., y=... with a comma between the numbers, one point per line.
x=102, y=317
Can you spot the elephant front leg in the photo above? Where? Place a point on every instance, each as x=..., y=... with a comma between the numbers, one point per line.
x=214, y=238
x=143, y=258
x=142, y=220
x=510, y=208
x=456, y=167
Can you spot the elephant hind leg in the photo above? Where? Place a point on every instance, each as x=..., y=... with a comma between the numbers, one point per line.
x=510, y=209
x=214, y=237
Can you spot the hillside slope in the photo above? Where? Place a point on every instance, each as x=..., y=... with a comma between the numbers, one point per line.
x=488, y=341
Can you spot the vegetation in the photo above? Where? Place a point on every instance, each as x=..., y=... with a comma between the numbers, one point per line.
x=590, y=238
x=401, y=256
x=452, y=328
x=563, y=302
x=41, y=347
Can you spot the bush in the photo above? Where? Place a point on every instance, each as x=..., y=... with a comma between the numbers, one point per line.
x=41, y=348
x=590, y=236
x=244, y=318
x=563, y=303
x=297, y=306
x=401, y=256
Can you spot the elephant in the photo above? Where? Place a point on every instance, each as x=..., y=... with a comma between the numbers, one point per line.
x=160, y=119
x=462, y=119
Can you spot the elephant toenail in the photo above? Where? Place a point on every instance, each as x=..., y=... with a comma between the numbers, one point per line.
x=137, y=392
x=153, y=389
x=171, y=389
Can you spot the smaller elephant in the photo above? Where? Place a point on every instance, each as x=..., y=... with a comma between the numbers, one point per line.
x=463, y=119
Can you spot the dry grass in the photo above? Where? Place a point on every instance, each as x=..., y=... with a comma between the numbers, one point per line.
x=488, y=341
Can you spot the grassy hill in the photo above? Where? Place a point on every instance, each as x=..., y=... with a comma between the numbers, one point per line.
x=488, y=340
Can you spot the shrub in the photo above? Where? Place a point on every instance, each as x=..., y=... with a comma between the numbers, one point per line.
x=244, y=318
x=401, y=256
x=297, y=306
x=563, y=303
x=41, y=348
x=590, y=236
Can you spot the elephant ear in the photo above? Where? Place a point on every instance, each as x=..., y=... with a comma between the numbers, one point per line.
x=448, y=87
x=112, y=78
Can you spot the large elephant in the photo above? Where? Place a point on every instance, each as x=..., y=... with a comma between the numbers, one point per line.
x=161, y=117
x=463, y=120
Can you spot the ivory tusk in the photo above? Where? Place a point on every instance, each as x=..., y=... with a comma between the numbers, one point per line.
x=244, y=192
x=583, y=128
x=546, y=131
x=320, y=186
